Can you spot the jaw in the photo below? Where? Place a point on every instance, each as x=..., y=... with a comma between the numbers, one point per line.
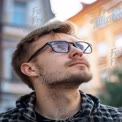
x=71, y=81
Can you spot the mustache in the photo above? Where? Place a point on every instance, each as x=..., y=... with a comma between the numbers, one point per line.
x=73, y=61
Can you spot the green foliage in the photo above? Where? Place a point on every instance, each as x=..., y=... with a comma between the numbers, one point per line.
x=113, y=90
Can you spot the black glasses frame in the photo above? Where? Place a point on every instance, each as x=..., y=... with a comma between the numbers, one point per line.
x=75, y=44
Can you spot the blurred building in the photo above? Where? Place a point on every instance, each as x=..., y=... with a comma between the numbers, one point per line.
x=19, y=18
x=101, y=24
x=1, y=9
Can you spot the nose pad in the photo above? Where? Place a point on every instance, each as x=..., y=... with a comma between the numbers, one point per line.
x=75, y=52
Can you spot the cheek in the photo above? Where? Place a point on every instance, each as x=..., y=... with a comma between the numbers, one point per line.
x=49, y=65
x=54, y=65
x=55, y=62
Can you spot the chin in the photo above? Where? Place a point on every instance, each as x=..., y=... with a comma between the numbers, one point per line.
x=83, y=71
x=72, y=80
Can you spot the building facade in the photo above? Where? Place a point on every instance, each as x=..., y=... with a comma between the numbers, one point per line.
x=18, y=19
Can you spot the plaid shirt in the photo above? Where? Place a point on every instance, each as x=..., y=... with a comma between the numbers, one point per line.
x=91, y=111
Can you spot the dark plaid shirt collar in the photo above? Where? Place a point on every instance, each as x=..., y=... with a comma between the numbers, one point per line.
x=90, y=111
x=26, y=106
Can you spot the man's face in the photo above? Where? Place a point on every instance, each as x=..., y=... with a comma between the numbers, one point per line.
x=61, y=69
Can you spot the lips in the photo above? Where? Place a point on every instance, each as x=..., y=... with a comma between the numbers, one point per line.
x=79, y=63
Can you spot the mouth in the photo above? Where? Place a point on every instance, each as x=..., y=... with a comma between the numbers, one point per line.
x=79, y=64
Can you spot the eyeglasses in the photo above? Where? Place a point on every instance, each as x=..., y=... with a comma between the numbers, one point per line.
x=60, y=46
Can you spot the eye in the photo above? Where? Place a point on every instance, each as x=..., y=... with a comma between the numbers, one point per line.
x=80, y=46
x=60, y=46
x=85, y=47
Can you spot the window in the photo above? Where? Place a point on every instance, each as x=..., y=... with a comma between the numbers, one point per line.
x=102, y=48
x=8, y=73
x=19, y=16
x=118, y=41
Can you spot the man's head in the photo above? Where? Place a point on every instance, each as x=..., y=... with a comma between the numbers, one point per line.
x=53, y=55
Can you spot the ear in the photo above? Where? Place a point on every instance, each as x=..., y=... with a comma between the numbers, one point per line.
x=28, y=69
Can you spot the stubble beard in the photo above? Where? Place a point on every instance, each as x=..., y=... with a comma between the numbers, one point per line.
x=68, y=80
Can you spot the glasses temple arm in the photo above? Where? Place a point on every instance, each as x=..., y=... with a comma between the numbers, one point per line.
x=33, y=55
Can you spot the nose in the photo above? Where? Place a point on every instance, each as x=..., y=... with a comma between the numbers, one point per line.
x=75, y=52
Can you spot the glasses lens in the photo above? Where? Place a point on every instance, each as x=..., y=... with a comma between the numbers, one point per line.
x=85, y=47
x=60, y=46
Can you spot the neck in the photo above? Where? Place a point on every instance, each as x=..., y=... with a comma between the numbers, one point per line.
x=57, y=103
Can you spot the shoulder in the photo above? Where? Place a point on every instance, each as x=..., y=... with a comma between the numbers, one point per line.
x=109, y=111
x=101, y=112
x=11, y=115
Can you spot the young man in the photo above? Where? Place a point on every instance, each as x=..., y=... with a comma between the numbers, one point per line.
x=52, y=61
